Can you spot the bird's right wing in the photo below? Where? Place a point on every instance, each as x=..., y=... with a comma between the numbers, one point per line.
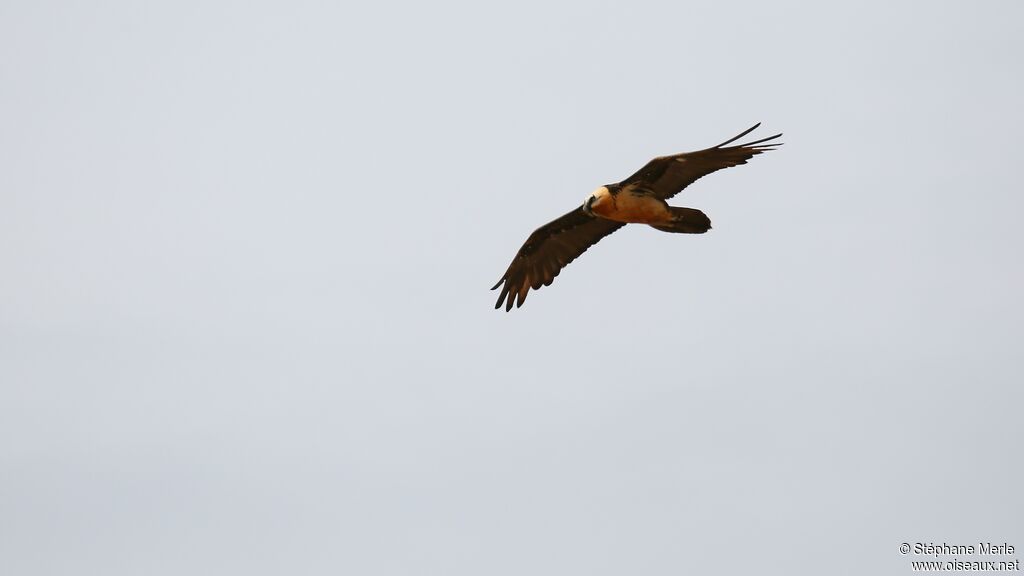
x=549, y=249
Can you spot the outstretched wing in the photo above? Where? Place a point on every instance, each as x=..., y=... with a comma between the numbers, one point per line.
x=666, y=176
x=549, y=249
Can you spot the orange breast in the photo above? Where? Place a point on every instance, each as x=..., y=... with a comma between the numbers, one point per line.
x=628, y=207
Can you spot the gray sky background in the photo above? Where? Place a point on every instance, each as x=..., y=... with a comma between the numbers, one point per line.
x=245, y=325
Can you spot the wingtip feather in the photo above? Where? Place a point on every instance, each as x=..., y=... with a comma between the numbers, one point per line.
x=756, y=142
x=740, y=135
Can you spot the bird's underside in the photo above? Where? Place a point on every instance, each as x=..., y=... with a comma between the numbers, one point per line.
x=639, y=199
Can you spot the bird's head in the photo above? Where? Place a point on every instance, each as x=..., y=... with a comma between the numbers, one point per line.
x=587, y=204
x=596, y=199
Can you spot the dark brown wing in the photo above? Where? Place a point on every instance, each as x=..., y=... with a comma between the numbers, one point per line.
x=549, y=249
x=666, y=176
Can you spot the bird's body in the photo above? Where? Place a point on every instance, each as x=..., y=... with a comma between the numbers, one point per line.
x=639, y=199
x=630, y=205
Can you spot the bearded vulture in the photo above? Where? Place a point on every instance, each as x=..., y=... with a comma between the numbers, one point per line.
x=639, y=199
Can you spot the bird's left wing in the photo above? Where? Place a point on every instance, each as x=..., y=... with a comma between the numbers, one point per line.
x=549, y=249
x=666, y=176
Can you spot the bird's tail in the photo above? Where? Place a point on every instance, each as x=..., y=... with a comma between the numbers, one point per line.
x=686, y=221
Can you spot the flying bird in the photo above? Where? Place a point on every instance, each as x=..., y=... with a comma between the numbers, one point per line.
x=639, y=199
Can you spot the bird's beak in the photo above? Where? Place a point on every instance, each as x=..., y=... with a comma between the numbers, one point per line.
x=586, y=206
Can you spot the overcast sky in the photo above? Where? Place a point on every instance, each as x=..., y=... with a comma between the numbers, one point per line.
x=245, y=325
